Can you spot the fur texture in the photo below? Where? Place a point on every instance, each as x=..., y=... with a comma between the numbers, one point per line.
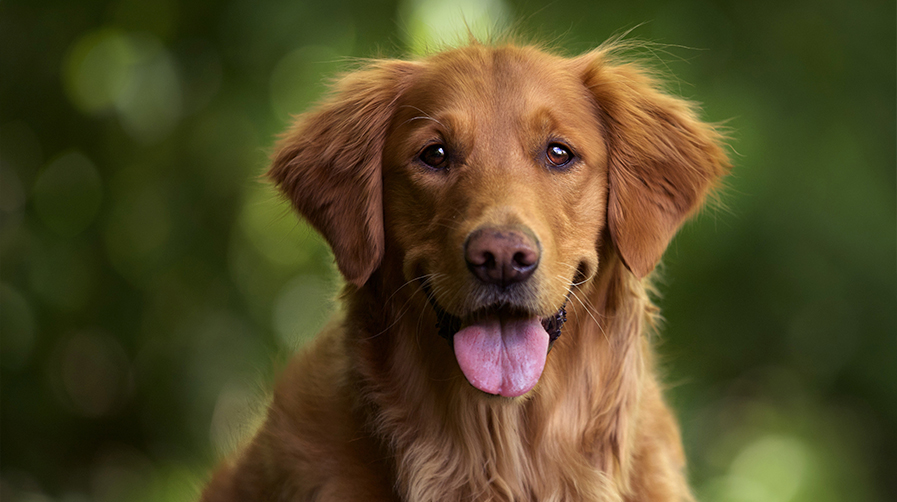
x=377, y=407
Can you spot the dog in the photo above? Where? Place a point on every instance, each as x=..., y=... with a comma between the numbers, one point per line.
x=496, y=211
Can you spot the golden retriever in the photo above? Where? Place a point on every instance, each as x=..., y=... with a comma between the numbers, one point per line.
x=495, y=211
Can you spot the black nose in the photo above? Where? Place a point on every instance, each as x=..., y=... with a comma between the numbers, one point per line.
x=501, y=256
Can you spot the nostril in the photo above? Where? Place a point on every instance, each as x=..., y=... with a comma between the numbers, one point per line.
x=524, y=259
x=480, y=258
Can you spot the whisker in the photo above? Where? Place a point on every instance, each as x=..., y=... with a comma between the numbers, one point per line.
x=590, y=309
x=421, y=277
x=575, y=269
x=405, y=306
x=580, y=283
x=423, y=116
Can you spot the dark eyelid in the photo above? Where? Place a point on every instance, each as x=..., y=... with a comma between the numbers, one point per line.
x=564, y=143
x=429, y=143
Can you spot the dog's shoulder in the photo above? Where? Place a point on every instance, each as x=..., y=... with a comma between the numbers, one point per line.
x=313, y=444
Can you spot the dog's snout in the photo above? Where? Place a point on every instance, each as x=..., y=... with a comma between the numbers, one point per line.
x=501, y=256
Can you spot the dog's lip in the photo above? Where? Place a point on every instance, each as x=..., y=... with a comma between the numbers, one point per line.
x=449, y=324
x=501, y=311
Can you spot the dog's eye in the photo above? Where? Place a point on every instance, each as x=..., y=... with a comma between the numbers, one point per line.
x=434, y=156
x=558, y=154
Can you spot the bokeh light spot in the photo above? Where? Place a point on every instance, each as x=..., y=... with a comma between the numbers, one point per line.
x=150, y=104
x=95, y=373
x=772, y=468
x=434, y=24
x=63, y=275
x=199, y=66
x=301, y=309
x=120, y=473
x=777, y=463
x=17, y=328
x=224, y=150
x=297, y=80
x=271, y=225
x=96, y=69
x=239, y=412
x=138, y=226
x=132, y=75
x=68, y=193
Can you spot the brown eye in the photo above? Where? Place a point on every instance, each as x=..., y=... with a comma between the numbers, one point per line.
x=434, y=156
x=558, y=154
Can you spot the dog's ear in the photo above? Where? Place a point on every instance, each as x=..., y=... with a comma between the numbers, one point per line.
x=329, y=164
x=662, y=159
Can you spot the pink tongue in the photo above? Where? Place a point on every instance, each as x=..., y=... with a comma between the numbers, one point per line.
x=503, y=357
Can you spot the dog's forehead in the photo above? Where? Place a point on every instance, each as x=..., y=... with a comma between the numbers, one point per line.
x=502, y=81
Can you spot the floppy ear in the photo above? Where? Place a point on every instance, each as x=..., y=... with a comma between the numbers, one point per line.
x=662, y=160
x=329, y=165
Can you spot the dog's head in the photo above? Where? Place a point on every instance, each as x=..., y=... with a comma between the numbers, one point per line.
x=491, y=175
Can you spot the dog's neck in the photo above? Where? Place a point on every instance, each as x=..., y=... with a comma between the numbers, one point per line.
x=527, y=446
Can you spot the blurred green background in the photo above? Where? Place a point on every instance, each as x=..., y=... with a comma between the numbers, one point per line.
x=151, y=283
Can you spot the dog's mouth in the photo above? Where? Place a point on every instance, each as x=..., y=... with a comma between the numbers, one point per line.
x=501, y=350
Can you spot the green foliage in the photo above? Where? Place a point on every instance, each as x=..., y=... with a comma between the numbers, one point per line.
x=152, y=283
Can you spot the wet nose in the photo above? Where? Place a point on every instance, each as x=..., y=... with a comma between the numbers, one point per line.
x=501, y=256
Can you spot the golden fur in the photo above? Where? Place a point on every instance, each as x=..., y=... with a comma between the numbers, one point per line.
x=376, y=408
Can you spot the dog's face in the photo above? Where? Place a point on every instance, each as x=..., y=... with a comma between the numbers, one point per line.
x=494, y=179
x=490, y=175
